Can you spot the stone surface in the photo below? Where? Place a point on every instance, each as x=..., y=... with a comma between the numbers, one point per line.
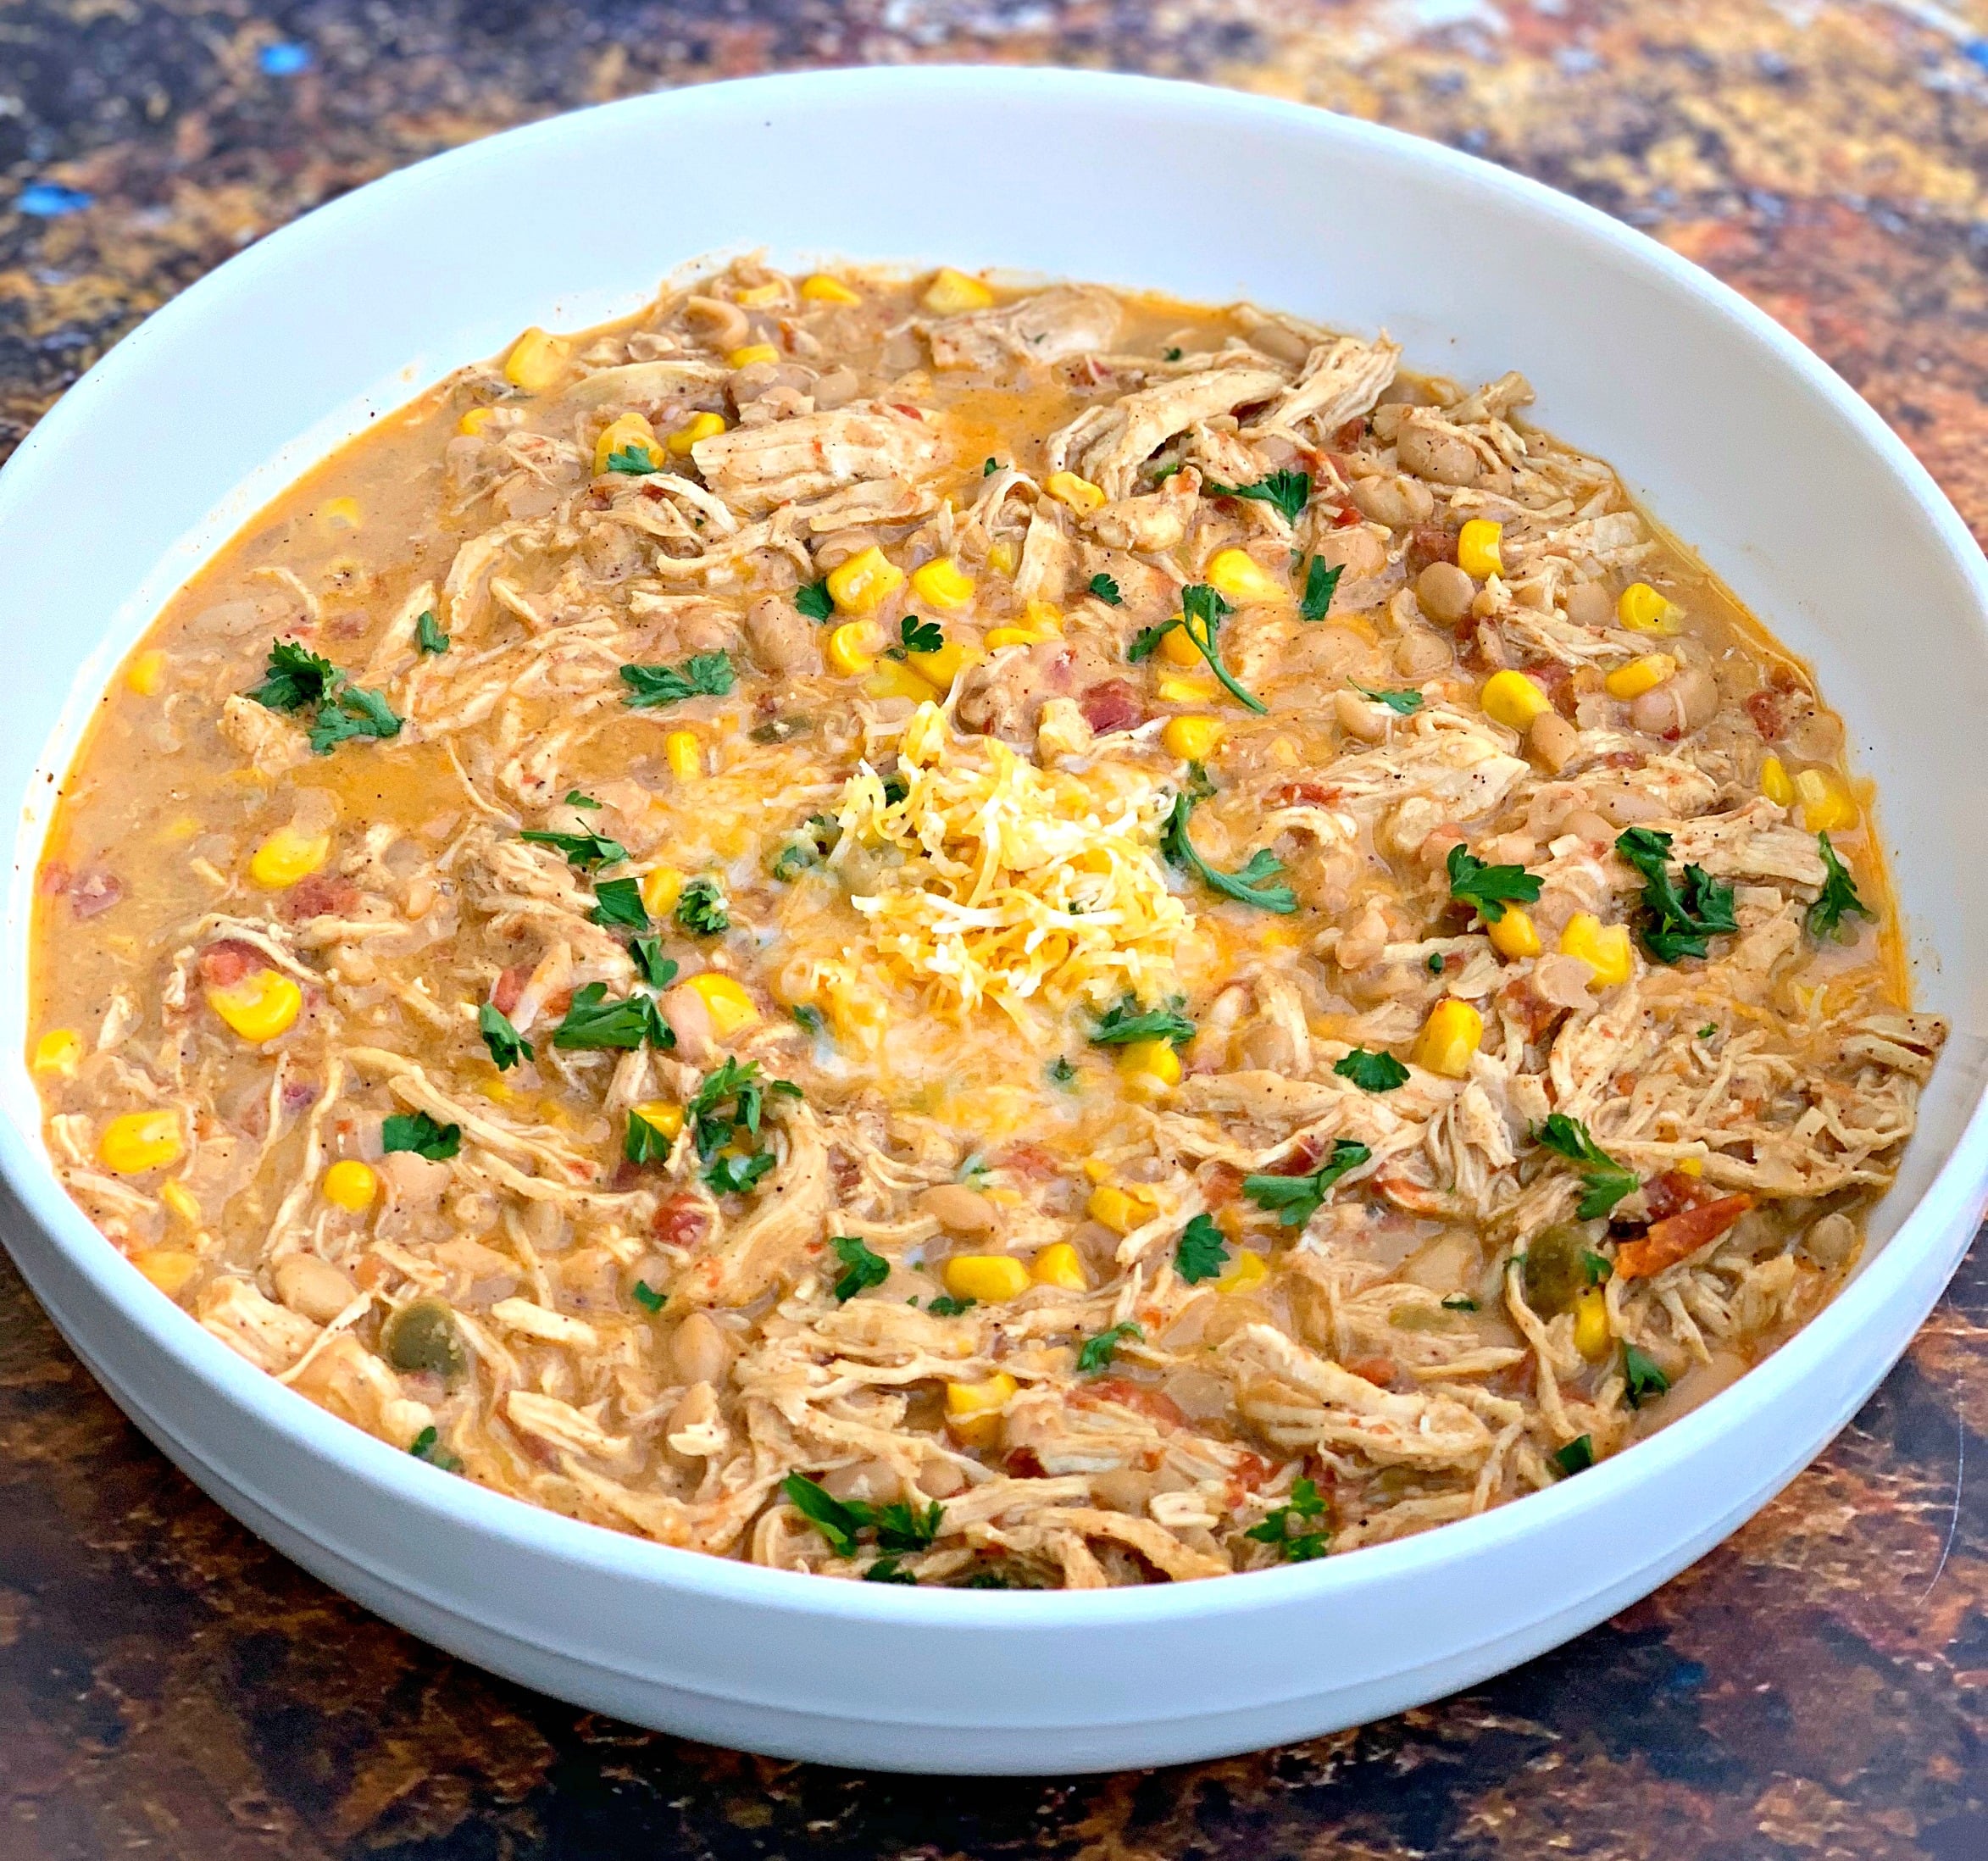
x=1813, y=1689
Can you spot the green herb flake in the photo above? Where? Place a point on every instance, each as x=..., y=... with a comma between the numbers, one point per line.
x=1096, y=1352
x=1825, y=917
x=700, y=907
x=427, y=1446
x=946, y=1306
x=1371, y=1072
x=1287, y=492
x=1577, y=1456
x=1107, y=590
x=1489, y=889
x=1284, y=1528
x=506, y=1044
x=579, y=798
x=655, y=968
x=916, y=635
x=636, y=460
x=989, y=466
x=704, y=675
x=618, y=905
x=1683, y=916
x=836, y=1522
x=731, y=1175
x=1201, y=1253
x=889, y=1570
x=1120, y=1026
x=1707, y=1031
x=1061, y=1072
x=814, y=601
x=1248, y=885
x=646, y=1296
x=1146, y=639
x=1202, y=609
x=1604, y=1181
x=584, y=851
x=1645, y=1381
x=1403, y=702
x=1436, y=962
x=297, y=679
x=1321, y=584
x=1295, y=1199
x=418, y=1132
x=294, y=677
x=1459, y=1301
x=861, y=1268
x=1598, y=1267
x=810, y=1018
x=642, y=1142
x=1170, y=353
x=428, y=633
x=592, y=1023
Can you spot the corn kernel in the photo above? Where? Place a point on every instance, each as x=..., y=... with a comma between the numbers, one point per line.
x=1193, y=738
x=1043, y=618
x=340, y=514
x=473, y=421
x=761, y=296
x=1177, y=647
x=1154, y=1060
x=730, y=1006
x=998, y=637
x=941, y=583
x=1078, y=493
x=351, y=1185
x=894, y=679
x=988, y=1277
x=60, y=1050
x=631, y=433
x=1121, y=1209
x=1239, y=576
x=1060, y=1264
x=940, y=669
x=1001, y=557
x=1514, y=700
x=1604, y=948
x=1591, y=1324
x=1477, y=548
x=1826, y=806
x=851, y=647
x=699, y=427
x=177, y=1197
x=1244, y=1272
x=536, y=360
x=168, y=1268
x=1639, y=675
x=147, y=673
x=661, y=887
x=1774, y=784
x=140, y=1140
x=752, y=352
x=261, y=1006
x=1690, y=1166
x=659, y=1114
x=684, y=753
x=1641, y=609
x=863, y=583
x=287, y=856
x=953, y=292
x=823, y=289
x=1449, y=1038
x=1174, y=690
x=972, y=1410
x=1515, y=934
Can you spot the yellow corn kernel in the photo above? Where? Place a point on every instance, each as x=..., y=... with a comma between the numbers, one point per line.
x=631, y=433
x=536, y=360
x=1176, y=648
x=1641, y=609
x=1239, y=576
x=1639, y=675
x=699, y=427
x=351, y=1185
x=1121, y=1209
x=952, y=292
x=60, y=1050
x=340, y=514
x=730, y=1007
x=1044, y=617
x=1078, y=493
x=1001, y=557
x=1690, y=1166
x=1477, y=548
x=287, y=856
x=1515, y=934
x=851, y=647
x=761, y=296
x=972, y=1410
x=261, y=1006
x=1060, y=1264
x=823, y=289
x=1774, y=784
x=1244, y=1272
x=987, y=1277
x=660, y=1115
x=147, y=673
x=1194, y=738
x=177, y=1197
x=1173, y=690
x=894, y=679
x=1449, y=1038
x=168, y=1268
x=473, y=421
x=863, y=583
x=1826, y=805
x=140, y=1140
x=998, y=637
x=752, y=352
x=662, y=886
x=1604, y=948
x=939, y=669
x=684, y=753
x=941, y=583
x=1591, y=1324
x=1514, y=700
x=1154, y=1060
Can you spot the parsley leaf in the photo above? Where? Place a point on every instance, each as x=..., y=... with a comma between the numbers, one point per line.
x=506, y=1044
x=1403, y=702
x=1296, y=1199
x=418, y=1132
x=579, y=798
x=646, y=1296
x=989, y=466
x=1459, y=1301
x=1287, y=491
x=1489, y=889
x=864, y=1268
x=1060, y=1071
x=836, y=1522
x=638, y=461
x=946, y=1306
x=295, y=677
x=655, y=968
x=428, y=633
x=427, y=1446
x=700, y=908
x=1283, y=1527
x=585, y=851
x=1682, y=918
x=1371, y=1072
x=1107, y=590
x=618, y=905
x=810, y=1018
x=814, y=599
x=1321, y=584
x=1201, y=1253
x=1825, y=917
x=1171, y=353
x=901, y=1526
x=889, y=1570
x=350, y=711
x=733, y=1175
x=592, y=1022
x=1577, y=1456
x=1146, y=639
x=1127, y=1022
x=704, y=675
x=1248, y=885
x=1605, y=1181
x=1645, y=1380
x=916, y=635
x=739, y=1087
x=1202, y=609
x=1097, y=1353
x=643, y=1142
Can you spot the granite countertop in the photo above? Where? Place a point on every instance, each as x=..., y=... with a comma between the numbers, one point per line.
x=169, y=1686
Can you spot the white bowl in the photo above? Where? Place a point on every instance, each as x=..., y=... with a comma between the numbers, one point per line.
x=1738, y=438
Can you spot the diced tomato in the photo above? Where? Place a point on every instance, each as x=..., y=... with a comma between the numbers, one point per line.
x=1428, y=543
x=1678, y=1236
x=1768, y=712
x=1372, y=1370
x=680, y=1222
x=228, y=961
x=320, y=895
x=1027, y=1159
x=1346, y=435
x=510, y=984
x=1301, y=794
x=1154, y=1403
x=1221, y=1184
x=1664, y=1196
x=95, y=891
x=1113, y=705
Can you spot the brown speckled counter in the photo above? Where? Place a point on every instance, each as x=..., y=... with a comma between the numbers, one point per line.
x=169, y=1687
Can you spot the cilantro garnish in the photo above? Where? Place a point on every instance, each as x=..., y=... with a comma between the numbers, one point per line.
x=1645, y=1380
x=585, y=851
x=638, y=461
x=1060, y=1071
x=1246, y=885
x=1097, y=1352
x=506, y=1044
x=577, y=797
x=1490, y=889
x=296, y=677
x=1296, y=1199
x=1283, y=1527
x=862, y=1268
x=1146, y=639
x=655, y=968
x=704, y=675
x=352, y=711
x=427, y=1446
x=1171, y=353
x=1825, y=917
x=646, y=1296
x=1682, y=918
x=740, y=1088
x=1459, y=1301
x=1605, y=1181
x=1202, y=609
x=701, y=908
x=618, y=905
x=1201, y=1253
x=989, y=466
x=946, y=1306
x=1577, y=1456
x=428, y=633
x=643, y=1142
x=1127, y=1022
x=812, y=843
x=1403, y=703
x=1596, y=1266
x=1288, y=492
x=593, y=1023
x=1107, y=590
x=1371, y=1072
x=1321, y=584
x=733, y=1175
x=900, y=1526
x=810, y=1018
x=916, y=635
x=889, y=1570
x=418, y=1132
x=814, y=599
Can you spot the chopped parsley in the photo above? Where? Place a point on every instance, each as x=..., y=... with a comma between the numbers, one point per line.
x=1201, y=1253
x=1435, y=964
x=1682, y=917
x=418, y=1132
x=1708, y=1031
x=1287, y=492
x=643, y=1142
x=1596, y=1266
x=812, y=843
x=1295, y=1199
x=704, y=675
x=1127, y=1022
x=1060, y=1071
x=1459, y=1301
x=1107, y=590
x=1645, y=1380
x=618, y=905
x=585, y=851
x=1247, y=885
x=1321, y=584
x=1146, y=639
x=1202, y=609
x=701, y=908
x=646, y=1296
x=1097, y=1352
x=916, y=635
x=1284, y=1528
x=428, y=633
x=1170, y=353
x=506, y=1044
x=810, y=1018
x=946, y=1306
x=728, y=1174
x=1371, y=1072
x=655, y=968
x=732, y=1097
x=1403, y=703
x=638, y=461
x=861, y=1268
x=900, y=1526
x=1604, y=1181
x=889, y=1570
x=989, y=466
x=1577, y=1456
x=427, y=1446
x=1825, y=917
x=814, y=599
x=348, y=713
x=593, y=1023
x=297, y=679
x=1489, y=889
x=577, y=798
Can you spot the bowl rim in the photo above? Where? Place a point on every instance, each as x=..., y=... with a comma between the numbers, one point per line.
x=1944, y=1210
